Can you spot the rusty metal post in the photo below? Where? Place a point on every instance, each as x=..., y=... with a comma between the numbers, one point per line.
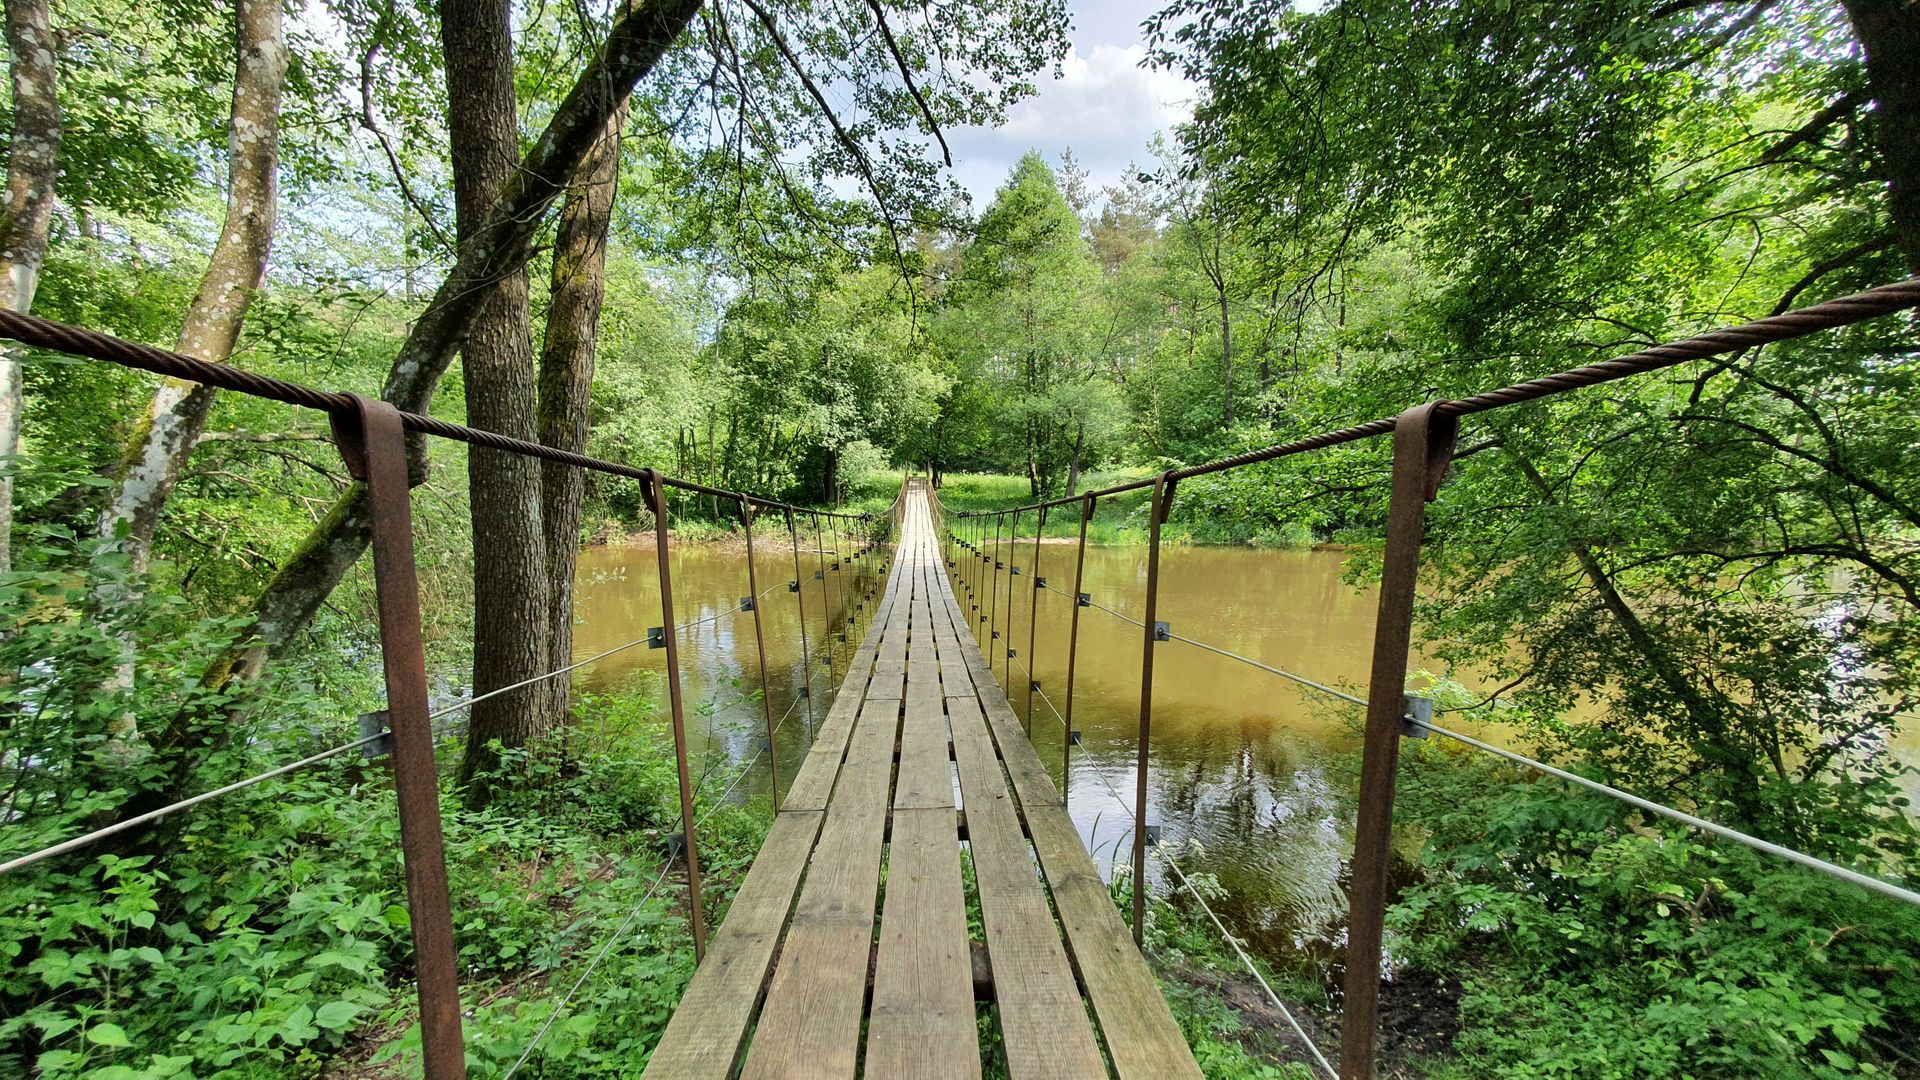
x=990, y=610
x=1013, y=568
x=1422, y=445
x=760, y=649
x=1033, y=615
x=1142, y=737
x=826, y=608
x=800, y=609
x=839, y=572
x=1073, y=652
x=373, y=443
x=656, y=493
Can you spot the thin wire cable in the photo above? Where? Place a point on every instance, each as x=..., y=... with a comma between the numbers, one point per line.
x=560, y=1009
x=720, y=799
x=1247, y=961
x=1301, y=679
x=1864, y=881
x=1233, y=942
x=1090, y=603
x=195, y=800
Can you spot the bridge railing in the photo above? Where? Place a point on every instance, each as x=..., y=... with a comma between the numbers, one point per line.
x=372, y=438
x=1424, y=437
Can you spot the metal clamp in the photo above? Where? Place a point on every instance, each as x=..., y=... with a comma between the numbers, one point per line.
x=1086, y=599
x=746, y=603
x=1415, y=714
x=1162, y=631
x=375, y=723
x=656, y=637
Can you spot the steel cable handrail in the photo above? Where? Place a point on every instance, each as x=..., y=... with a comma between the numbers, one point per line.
x=193, y=800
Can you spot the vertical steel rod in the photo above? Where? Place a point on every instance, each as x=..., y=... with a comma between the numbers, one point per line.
x=1033, y=615
x=374, y=445
x=1013, y=564
x=839, y=571
x=990, y=612
x=760, y=649
x=1422, y=444
x=1073, y=652
x=800, y=609
x=1144, y=735
x=826, y=613
x=657, y=495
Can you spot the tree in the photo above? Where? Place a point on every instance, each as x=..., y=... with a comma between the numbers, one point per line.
x=511, y=633
x=1017, y=322
x=1575, y=180
x=577, y=290
x=235, y=271
x=33, y=162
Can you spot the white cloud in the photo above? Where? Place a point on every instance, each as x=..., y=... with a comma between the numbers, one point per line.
x=1104, y=106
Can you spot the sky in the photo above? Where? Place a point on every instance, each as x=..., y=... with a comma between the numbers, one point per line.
x=1105, y=106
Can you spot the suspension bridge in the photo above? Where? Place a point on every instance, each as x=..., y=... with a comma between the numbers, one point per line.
x=847, y=949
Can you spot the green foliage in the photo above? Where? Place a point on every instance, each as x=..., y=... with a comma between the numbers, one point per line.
x=1595, y=944
x=275, y=928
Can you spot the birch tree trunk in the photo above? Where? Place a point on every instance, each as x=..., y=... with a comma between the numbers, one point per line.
x=160, y=446
x=33, y=162
x=578, y=289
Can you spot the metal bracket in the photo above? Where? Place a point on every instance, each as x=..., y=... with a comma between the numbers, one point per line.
x=1415, y=713
x=819, y=575
x=793, y=586
x=996, y=636
x=676, y=845
x=1086, y=599
x=1033, y=685
x=1012, y=652
x=998, y=565
x=1153, y=836
x=1074, y=736
x=766, y=745
x=1162, y=631
x=656, y=637
x=806, y=691
x=1039, y=582
x=375, y=723
x=1015, y=571
x=746, y=603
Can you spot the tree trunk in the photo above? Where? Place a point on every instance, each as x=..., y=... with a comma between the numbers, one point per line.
x=1889, y=32
x=235, y=271
x=1073, y=470
x=635, y=44
x=510, y=610
x=578, y=289
x=33, y=161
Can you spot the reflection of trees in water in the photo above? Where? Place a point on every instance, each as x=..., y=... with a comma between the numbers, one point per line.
x=1272, y=829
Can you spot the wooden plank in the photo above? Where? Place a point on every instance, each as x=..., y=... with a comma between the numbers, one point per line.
x=810, y=1025
x=1142, y=1037
x=813, y=783
x=889, y=679
x=1043, y=1022
x=926, y=780
x=703, y=1038
x=923, y=1019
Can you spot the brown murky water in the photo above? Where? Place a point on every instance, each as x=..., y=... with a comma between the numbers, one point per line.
x=1250, y=774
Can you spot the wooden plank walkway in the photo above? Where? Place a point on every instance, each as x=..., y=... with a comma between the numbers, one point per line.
x=846, y=952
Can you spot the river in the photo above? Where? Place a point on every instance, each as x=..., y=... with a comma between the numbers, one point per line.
x=1251, y=775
